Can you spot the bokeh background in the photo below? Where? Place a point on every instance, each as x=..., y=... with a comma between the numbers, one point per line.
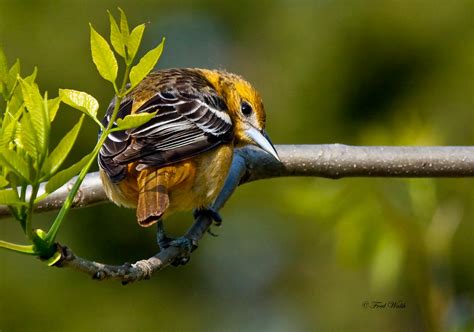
x=294, y=254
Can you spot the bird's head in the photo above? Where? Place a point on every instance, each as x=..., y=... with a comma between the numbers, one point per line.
x=245, y=109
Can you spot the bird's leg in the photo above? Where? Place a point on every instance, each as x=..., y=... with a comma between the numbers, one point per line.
x=236, y=173
x=181, y=242
x=161, y=238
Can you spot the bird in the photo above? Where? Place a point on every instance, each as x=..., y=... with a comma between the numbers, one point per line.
x=179, y=160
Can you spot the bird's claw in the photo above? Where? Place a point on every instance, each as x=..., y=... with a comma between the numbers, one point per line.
x=210, y=213
x=185, y=243
x=211, y=233
x=188, y=245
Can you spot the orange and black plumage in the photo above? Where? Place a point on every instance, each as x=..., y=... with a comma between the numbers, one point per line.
x=179, y=160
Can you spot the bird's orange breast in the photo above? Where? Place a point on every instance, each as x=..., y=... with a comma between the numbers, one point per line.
x=200, y=190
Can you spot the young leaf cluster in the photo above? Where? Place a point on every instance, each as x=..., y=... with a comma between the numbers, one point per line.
x=26, y=159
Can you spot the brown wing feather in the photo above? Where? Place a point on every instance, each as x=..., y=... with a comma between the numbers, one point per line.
x=153, y=199
x=192, y=118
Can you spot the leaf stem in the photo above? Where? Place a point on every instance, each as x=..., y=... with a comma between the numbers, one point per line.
x=29, y=213
x=123, y=91
x=22, y=211
x=51, y=235
x=28, y=249
x=53, y=231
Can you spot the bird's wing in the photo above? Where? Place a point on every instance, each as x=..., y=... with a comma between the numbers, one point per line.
x=189, y=121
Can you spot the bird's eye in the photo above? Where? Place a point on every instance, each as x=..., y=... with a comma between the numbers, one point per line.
x=246, y=108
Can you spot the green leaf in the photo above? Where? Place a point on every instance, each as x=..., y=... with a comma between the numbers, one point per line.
x=15, y=163
x=12, y=76
x=61, y=151
x=53, y=107
x=3, y=182
x=103, y=56
x=146, y=64
x=9, y=124
x=32, y=77
x=3, y=66
x=54, y=259
x=116, y=37
x=134, y=42
x=16, y=100
x=27, y=136
x=3, y=71
x=40, y=234
x=133, y=121
x=124, y=24
x=9, y=197
x=36, y=108
x=60, y=178
x=81, y=101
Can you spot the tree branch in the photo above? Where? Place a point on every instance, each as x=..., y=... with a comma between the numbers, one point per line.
x=327, y=160
x=250, y=164
x=336, y=161
x=140, y=270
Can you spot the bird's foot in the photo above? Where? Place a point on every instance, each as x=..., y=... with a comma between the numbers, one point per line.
x=188, y=245
x=210, y=213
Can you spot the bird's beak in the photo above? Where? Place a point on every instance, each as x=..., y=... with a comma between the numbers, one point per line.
x=262, y=140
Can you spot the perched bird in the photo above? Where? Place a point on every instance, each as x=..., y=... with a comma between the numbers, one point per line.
x=180, y=159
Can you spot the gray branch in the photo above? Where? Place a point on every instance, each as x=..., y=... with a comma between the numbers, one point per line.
x=330, y=161
x=250, y=164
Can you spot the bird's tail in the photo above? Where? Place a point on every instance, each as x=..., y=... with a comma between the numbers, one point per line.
x=153, y=199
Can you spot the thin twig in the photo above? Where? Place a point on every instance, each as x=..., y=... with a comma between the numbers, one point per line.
x=140, y=270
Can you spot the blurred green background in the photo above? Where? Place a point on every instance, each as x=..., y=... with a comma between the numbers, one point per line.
x=294, y=254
